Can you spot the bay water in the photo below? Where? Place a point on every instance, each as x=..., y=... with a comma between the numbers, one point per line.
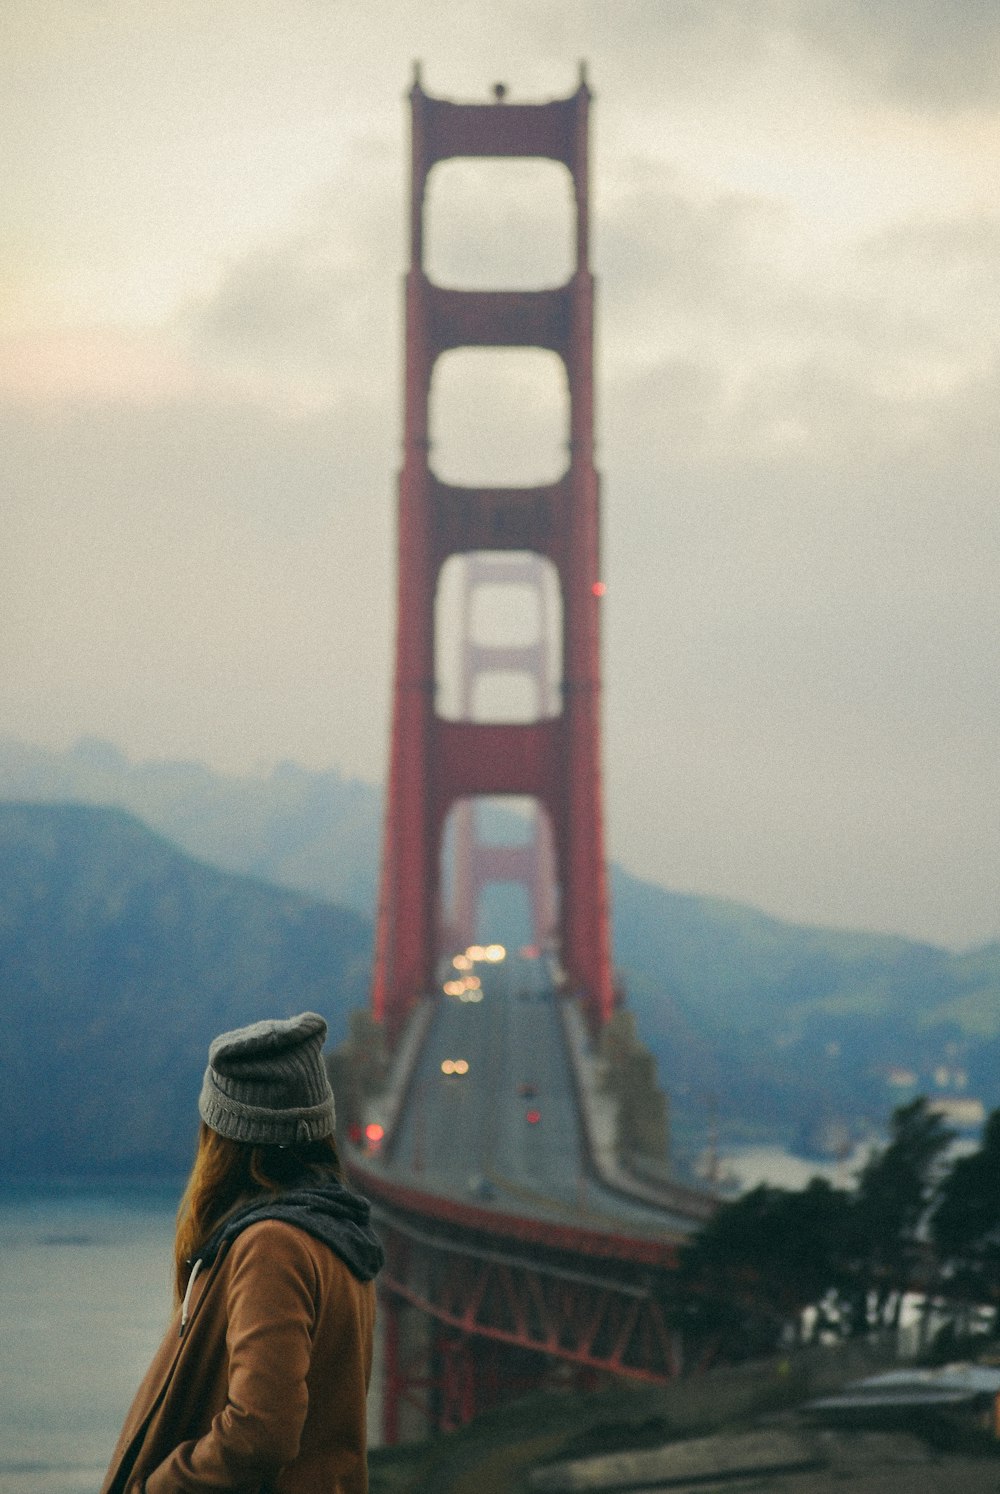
x=85, y=1297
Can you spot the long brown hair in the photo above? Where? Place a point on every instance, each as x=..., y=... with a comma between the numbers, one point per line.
x=226, y=1172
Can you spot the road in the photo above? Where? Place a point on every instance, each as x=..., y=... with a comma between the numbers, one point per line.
x=506, y=1133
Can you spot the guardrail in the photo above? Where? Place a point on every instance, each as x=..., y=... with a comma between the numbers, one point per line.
x=596, y=1120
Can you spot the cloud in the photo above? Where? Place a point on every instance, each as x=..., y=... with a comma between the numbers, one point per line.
x=297, y=320
x=812, y=636
x=304, y=299
x=921, y=53
x=802, y=541
x=187, y=573
x=91, y=363
x=743, y=285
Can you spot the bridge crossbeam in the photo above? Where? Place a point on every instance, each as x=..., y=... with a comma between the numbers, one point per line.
x=498, y=518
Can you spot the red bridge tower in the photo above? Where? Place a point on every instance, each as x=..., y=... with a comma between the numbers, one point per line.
x=554, y=759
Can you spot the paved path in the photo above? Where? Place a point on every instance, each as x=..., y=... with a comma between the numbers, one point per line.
x=784, y=1458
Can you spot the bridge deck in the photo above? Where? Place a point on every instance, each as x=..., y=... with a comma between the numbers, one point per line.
x=505, y=1137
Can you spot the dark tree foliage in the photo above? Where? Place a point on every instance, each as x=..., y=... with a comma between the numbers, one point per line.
x=761, y=1261
x=965, y=1224
x=852, y=1256
x=895, y=1191
x=358, y=1068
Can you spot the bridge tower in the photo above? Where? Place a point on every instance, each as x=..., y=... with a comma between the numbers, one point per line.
x=555, y=759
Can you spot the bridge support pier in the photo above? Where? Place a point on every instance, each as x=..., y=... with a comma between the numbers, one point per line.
x=437, y=1378
x=407, y=1347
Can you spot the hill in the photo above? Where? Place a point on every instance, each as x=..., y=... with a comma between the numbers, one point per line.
x=773, y=1030
x=120, y=958
x=315, y=832
x=802, y=1032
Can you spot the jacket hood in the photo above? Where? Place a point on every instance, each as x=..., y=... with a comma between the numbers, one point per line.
x=328, y=1211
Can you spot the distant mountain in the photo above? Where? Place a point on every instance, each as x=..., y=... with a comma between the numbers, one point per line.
x=120, y=958
x=315, y=832
x=797, y=1031
x=776, y=1030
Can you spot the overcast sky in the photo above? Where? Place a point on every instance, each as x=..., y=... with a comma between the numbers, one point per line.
x=797, y=239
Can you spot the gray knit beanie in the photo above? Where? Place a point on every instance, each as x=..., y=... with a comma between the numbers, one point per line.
x=267, y=1084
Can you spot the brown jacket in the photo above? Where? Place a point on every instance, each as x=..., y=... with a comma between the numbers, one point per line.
x=263, y=1392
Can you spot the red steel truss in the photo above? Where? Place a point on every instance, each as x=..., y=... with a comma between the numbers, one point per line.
x=555, y=759
x=506, y=1304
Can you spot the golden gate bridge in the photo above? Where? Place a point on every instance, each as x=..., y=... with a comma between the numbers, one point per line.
x=520, y=1250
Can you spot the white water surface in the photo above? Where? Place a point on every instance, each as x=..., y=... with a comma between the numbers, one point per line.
x=85, y=1297
x=749, y=1166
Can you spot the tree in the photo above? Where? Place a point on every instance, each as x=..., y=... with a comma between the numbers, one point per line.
x=895, y=1190
x=965, y=1223
x=358, y=1068
x=761, y=1260
x=630, y=1075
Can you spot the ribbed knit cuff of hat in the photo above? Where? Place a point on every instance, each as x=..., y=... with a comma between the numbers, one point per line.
x=260, y=1126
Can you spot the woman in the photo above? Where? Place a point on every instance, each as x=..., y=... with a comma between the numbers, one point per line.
x=260, y=1384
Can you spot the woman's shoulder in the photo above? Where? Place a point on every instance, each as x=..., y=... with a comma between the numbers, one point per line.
x=283, y=1243
x=272, y=1256
x=273, y=1233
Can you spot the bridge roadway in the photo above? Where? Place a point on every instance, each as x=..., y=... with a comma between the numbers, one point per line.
x=506, y=1135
